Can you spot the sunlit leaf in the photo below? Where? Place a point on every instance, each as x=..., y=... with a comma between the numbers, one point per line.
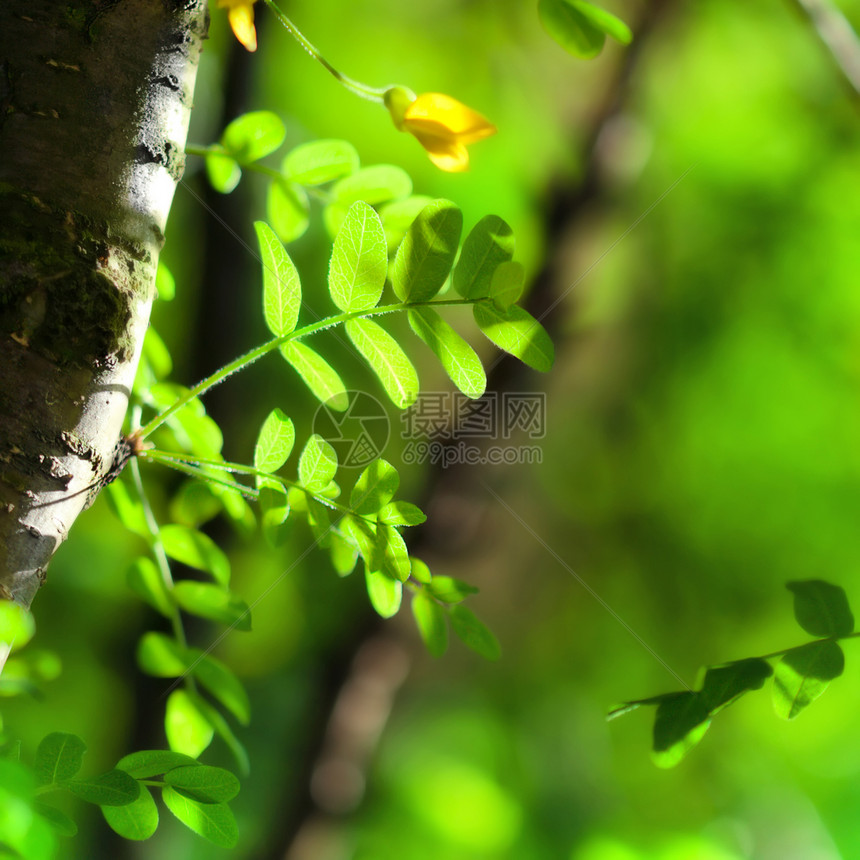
x=145, y=580
x=821, y=608
x=427, y=252
x=213, y=602
x=147, y=763
x=223, y=171
x=450, y=590
x=343, y=554
x=320, y=161
x=377, y=184
x=317, y=464
x=681, y=721
x=253, y=135
x=430, y=619
x=17, y=626
x=223, y=730
x=188, y=730
x=581, y=28
x=287, y=210
x=213, y=821
x=161, y=656
x=317, y=374
x=393, y=552
x=384, y=592
x=516, y=331
x=375, y=487
x=489, y=243
x=363, y=534
x=398, y=215
x=274, y=442
x=282, y=289
x=137, y=820
x=387, y=360
x=803, y=674
x=401, y=513
x=507, y=282
x=459, y=360
x=420, y=571
x=197, y=550
x=223, y=684
x=204, y=783
x=359, y=260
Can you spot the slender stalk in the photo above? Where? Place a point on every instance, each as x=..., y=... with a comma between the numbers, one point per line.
x=373, y=94
x=774, y=654
x=258, y=352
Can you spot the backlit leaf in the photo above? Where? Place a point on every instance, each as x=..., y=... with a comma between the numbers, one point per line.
x=376, y=184
x=430, y=619
x=161, y=656
x=317, y=374
x=516, y=331
x=223, y=684
x=459, y=360
x=213, y=821
x=137, y=820
x=375, y=487
x=427, y=252
x=474, y=633
x=274, y=442
x=145, y=580
x=317, y=464
x=223, y=171
x=359, y=260
x=213, y=602
x=282, y=289
x=681, y=721
x=188, y=730
x=287, y=210
x=387, y=360
x=197, y=550
x=803, y=674
x=253, y=135
x=320, y=161
x=204, y=783
x=384, y=592
x=489, y=243
x=147, y=763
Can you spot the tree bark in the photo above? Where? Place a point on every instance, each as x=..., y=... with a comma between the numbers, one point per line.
x=95, y=98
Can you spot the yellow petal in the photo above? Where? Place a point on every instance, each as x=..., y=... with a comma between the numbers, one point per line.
x=241, y=16
x=446, y=154
x=459, y=120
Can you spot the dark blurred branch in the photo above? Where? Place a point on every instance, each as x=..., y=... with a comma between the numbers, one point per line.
x=837, y=35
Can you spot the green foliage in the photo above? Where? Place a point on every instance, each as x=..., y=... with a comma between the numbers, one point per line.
x=516, y=331
x=581, y=28
x=489, y=244
x=801, y=675
x=359, y=260
x=282, y=289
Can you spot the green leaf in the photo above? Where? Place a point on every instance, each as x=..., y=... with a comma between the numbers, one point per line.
x=274, y=443
x=359, y=260
x=398, y=215
x=581, y=28
x=489, y=244
x=213, y=602
x=282, y=289
x=223, y=171
x=17, y=626
x=420, y=571
x=343, y=554
x=401, y=514
x=156, y=352
x=681, y=721
x=450, y=590
x=203, y=783
x=287, y=210
x=161, y=656
x=213, y=821
x=188, y=730
x=274, y=510
x=145, y=580
x=319, y=519
x=253, y=135
x=459, y=360
x=516, y=331
x=384, y=592
x=223, y=684
x=223, y=730
x=137, y=820
x=507, y=283
x=197, y=550
x=58, y=820
x=387, y=360
x=144, y=764
x=375, y=487
x=430, y=619
x=320, y=161
x=377, y=184
x=317, y=464
x=128, y=510
x=392, y=549
x=474, y=633
x=59, y=756
x=114, y=788
x=803, y=674
x=821, y=608
x=165, y=285
x=317, y=374
x=363, y=534
x=427, y=252
x=724, y=684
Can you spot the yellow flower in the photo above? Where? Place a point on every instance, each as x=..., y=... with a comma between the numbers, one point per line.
x=240, y=13
x=442, y=125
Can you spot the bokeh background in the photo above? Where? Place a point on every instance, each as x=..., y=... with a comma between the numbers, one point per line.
x=689, y=209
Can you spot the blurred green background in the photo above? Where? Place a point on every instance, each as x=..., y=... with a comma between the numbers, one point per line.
x=690, y=207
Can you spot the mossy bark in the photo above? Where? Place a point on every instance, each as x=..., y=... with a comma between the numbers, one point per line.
x=95, y=97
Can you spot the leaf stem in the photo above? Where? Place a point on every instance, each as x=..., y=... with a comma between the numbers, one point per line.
x=373, y=94
x=774, y=654
x=258, y=352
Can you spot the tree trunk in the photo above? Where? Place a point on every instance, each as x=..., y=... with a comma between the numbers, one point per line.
x=95, y=98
